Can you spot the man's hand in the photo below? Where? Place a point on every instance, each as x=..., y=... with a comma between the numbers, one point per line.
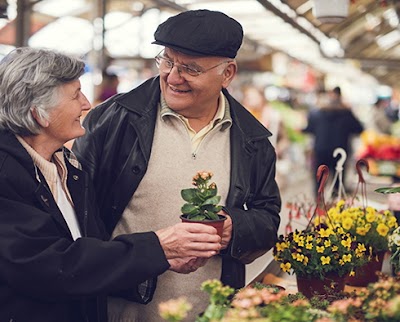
x=185, y=240
x=227, y=232
x=186, y=265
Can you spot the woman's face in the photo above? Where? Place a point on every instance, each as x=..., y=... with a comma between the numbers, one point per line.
x=64, y=119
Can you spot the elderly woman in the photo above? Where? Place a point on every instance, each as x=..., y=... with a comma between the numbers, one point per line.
x=55, y=262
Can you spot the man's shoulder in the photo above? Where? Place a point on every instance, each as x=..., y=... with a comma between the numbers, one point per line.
x=246, y=121
x=138, y=101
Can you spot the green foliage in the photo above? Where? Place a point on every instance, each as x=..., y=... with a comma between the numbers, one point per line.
x=388, y=190
x=201, y=201
x=219, y=300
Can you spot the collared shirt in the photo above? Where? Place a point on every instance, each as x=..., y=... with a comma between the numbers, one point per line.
x=55, y=173
x=222, y=117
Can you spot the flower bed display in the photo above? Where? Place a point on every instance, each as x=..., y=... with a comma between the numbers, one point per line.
x=382, y=153
x=380, y=301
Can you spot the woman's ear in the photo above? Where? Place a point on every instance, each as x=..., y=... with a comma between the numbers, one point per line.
x=41, y=121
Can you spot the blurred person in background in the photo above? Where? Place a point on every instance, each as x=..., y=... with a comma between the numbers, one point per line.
x=332, y=126
x=108, y=86
x=255, y=101
x=56, y=260
x=142, y=148
x=380, y=121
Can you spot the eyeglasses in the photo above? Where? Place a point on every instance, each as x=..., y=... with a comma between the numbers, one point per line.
x=165, y=66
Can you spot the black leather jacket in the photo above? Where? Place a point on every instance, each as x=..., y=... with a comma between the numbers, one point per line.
x=116, y=150
x=45, y=275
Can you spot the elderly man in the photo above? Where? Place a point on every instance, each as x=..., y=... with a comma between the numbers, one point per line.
x=144, y=146
x=56, y=262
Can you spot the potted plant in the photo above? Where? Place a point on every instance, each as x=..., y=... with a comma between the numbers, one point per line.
x=202, y=202
x=394, y=247
x=370, y=227
x=320, y=256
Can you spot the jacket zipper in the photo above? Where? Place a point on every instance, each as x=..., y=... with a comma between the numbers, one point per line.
x=85, y=208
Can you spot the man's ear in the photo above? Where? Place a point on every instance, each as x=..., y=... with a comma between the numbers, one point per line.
x=41, y=121
x=229, y=73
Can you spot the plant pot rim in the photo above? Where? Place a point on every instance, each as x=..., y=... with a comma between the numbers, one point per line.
x=221, y=218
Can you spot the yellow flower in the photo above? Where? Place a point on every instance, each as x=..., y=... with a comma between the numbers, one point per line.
x=340, y=204
x=346, y=243
x=347, y=223
x=340, y=230
x=352, y=273
x=299, y=258
x=360, y=250
x=382, y=229
x=286, y=267
x=325, y=232
x=370, y=216
x=392, y=222
x=281, y=246
x=309, y=246
x=327, y=243
x=347, y=258
x=320, y=249
x=335, y=248
x=362, y=231
x=325, y=260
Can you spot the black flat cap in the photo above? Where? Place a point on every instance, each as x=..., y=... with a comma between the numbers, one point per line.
x=201, y=33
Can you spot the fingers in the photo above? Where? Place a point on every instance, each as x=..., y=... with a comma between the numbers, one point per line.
x=189, y=240
x=186, y=265
x=227, y=232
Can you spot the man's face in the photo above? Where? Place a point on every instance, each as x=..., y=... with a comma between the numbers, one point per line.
x=195, y=96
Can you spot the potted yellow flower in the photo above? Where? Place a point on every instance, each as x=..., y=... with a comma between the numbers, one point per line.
x=321, y=256
x=394, y=247
x=370, y=227
x=202, y=202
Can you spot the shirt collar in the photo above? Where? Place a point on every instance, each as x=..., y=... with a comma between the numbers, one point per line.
x=49, y=169
x=223, y=114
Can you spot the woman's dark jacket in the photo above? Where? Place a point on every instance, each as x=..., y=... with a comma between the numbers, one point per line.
x=116, y=149
x=45, y=276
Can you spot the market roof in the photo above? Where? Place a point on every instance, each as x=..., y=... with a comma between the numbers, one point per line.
x=368, y=39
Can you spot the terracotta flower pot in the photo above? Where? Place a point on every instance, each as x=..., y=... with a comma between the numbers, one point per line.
x=367, y=273
x=217, y=224
x=310, y=286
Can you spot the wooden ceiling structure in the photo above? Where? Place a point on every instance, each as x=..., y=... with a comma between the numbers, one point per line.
x=360, y=35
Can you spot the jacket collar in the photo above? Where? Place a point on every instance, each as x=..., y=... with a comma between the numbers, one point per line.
x=144, y=99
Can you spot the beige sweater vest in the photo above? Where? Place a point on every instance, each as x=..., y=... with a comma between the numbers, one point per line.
x=156, y=204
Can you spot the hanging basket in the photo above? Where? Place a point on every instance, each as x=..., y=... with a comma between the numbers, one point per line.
x=331, y=11
x=311, y=286
x=366, y=274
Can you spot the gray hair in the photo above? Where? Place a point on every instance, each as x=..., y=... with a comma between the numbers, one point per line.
x=30, y=78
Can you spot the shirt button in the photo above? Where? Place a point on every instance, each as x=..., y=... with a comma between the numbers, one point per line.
x=75, y=177
x=135, y=169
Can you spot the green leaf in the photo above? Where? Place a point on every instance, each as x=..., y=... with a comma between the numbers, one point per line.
x=388, y=190
x=189, y=194
x=212, y=201
x=212, y=216
x=211, y=193
x=197, y=217
x=189, y=209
